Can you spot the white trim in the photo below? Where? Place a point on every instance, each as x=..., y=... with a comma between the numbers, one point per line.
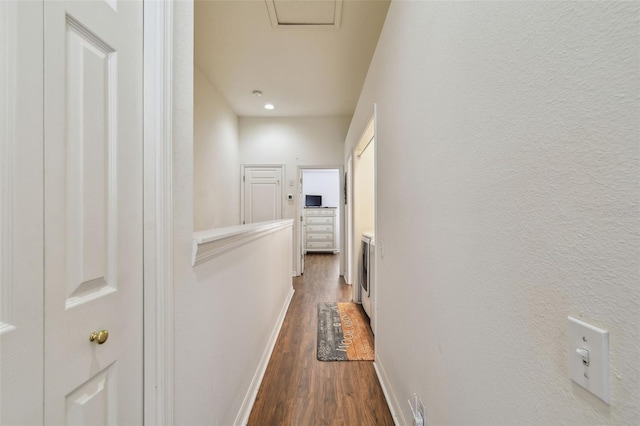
x=379, y=238
x=158, y=199
x=348, y=224
x=250, y=398
x=7, y=159
x=390, y=397
x=300, y=236
x=214, y=242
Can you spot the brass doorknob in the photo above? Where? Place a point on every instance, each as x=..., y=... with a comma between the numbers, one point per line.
x=99, y=336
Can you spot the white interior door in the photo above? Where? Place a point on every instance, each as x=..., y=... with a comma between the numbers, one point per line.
x=93, y=212
x=262, y=193
x=21, y=207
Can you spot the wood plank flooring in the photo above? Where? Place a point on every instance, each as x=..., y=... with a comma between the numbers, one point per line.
x=299, y=390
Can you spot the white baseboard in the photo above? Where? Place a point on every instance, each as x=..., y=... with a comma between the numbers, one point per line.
x=247, y=404
x=392, y=401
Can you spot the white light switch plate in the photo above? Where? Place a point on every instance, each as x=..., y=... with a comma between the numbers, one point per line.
x=595, y=376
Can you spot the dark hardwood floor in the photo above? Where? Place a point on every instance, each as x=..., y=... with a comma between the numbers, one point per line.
x=300, y=390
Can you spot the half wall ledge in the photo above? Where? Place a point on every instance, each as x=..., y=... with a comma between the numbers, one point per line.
x=213, y=242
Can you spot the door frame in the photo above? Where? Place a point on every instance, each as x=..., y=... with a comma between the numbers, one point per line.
x=354, y=254
x=348, y=223
x=299, y=215
x=158, y=212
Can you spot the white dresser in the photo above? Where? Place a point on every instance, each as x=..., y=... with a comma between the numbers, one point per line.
x=320, y=229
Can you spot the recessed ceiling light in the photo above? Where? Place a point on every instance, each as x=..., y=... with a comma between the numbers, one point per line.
x=269, y=106
x=256, y=93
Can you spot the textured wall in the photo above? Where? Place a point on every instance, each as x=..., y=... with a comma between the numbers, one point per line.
x=508, y=197
x=215, y=158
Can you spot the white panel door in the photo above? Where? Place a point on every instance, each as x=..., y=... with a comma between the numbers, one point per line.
x=262, y=193
x=93, y=212
x=21, y=207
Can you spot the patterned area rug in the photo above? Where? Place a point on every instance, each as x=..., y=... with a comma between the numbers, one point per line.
x=343, y=333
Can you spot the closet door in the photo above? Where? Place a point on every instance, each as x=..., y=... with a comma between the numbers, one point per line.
x=93, y=212
x=21, y=213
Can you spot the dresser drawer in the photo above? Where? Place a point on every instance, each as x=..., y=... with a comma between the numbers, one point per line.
x=319, y=228
x=315, y=220
x=324, y=245
x=319, y=212
x=319, y=237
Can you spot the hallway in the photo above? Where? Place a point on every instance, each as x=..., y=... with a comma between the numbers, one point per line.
x=300, y=390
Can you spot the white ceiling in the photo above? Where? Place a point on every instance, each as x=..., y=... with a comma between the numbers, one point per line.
x=304, y=70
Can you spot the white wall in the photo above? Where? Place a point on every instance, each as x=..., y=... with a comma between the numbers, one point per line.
x=224, y=309
x=216, y=158
x=324, y=182
x=508, y=193
x=233, y=310
x=292, y=141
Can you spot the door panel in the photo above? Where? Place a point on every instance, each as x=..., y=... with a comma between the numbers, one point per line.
x=262, y=193
x=94, y=401
x=89, y=154
x=263, y=202
x=93, y=212
x=21, y=207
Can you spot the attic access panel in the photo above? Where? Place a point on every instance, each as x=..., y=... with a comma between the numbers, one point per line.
x=286, y=13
